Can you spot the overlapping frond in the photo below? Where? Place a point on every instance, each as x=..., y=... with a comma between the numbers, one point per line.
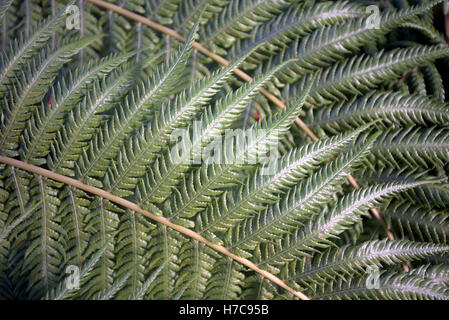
x=303, y=202
x=318, y=231
x=207, y=181
x=152, y=139
x=207, y=131
x=139, y=104
x=25, y=47
x=413, y=147
x=419, y=223
x=435, y=273
x=45, y=122
x=237, y=19
x=102, y=224
x=266, y=185
x=392, y=286
x=348, y=261
x=158, y=174
x=46, y=245
x=295, y=23
x=432, y=195
x=329, y=44
x=87, y=115
x=390, y=107
x=359, y=74
x=31, y=89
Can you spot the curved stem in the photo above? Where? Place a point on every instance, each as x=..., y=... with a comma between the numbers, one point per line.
x=134, y=207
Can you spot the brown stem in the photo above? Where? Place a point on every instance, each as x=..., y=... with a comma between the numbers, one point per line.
x=134, y=207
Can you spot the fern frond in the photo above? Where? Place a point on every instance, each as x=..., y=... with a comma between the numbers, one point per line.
x=393, y=285
x=360, y=74
x=133, y=236
x=102, y=225
x=139, y=294
x=12, y=227
x=339, y=263
x=195, y=191
x=294, y=24
x=197, y=267
x=117, y=27
x=162, y=11
x=212, y=124
x=434, y=82
x=300, y=205
x=329, y=44
x=432, y=195
x=256, y=287
x=265, y=187
x=436, y=273
x=25, y=47
x=427, y=29
x=32, y=87
x=4, y=6
x=416, y=83
x=45, y=122
x=95, y=176
x=418, y=222
x=72, y=211
x=151, y=140
x=7, y=228
x=390, y=107
x=164, y=251
x=413, y=147
x=318, y=232
x=87, y=116
x=63, y=291
x=112, y=291
x=237, y=19
x=138, y=105
x=45, y=253
x=188, y=10
x=227, y=281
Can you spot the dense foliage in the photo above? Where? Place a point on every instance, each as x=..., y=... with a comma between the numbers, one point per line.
x=90, y=94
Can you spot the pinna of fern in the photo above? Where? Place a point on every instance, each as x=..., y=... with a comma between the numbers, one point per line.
x=138, y=224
